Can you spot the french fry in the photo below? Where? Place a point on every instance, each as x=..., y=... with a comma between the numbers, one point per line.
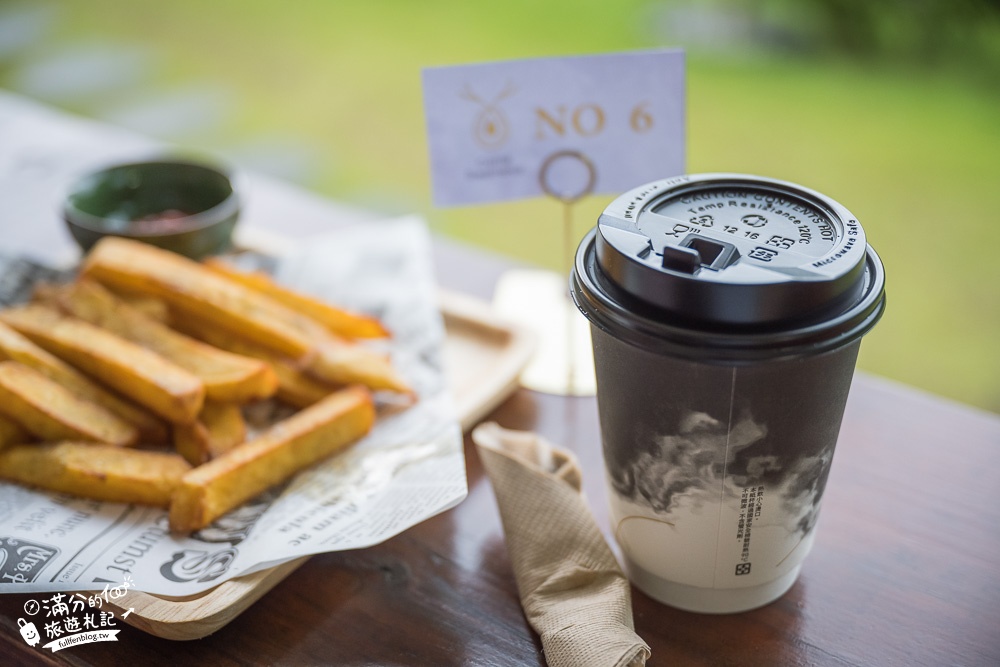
x=150, y=306
x=15, y=347
x=196, y=291
x=219, y=428
x=294, y=387
x=191, y=288
x=152, y=381
x=209, y=491
x=101, y=472
x=340, y=362
x=46, y=293
x=226, y=376
x=12, y=433
x=298, y=389
x=51, y=412
x=340, y=322
x=191, y=442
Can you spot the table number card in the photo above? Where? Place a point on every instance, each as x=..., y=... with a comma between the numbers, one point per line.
x=497, y=130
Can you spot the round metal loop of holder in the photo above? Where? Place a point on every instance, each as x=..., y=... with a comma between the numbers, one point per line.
x=543, y=175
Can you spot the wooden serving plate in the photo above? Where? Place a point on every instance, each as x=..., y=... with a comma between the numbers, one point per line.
x=484, y=356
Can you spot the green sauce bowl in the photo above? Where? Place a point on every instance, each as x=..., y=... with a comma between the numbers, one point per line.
x=187, y=207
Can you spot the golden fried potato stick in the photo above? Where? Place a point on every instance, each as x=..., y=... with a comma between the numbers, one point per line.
x=219, y=428
x=339, y=321
x=101, y=472
x=15, y=347
x=191, y=288
x=195, y=291
x=341, y=362
x=146, y=377
x=338, y=363
x=294, y=387
x=52, y=412
x=226, y=376
x=298, y=389
x=211, y=490
x=46, y=293
x=12, y=433
x=150, y=306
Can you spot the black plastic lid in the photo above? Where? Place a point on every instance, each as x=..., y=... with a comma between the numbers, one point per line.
x=748, y=267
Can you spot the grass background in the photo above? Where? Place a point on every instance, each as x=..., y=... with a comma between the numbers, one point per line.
x=333, y=89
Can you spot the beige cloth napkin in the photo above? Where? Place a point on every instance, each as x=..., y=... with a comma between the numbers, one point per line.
x=573, y=592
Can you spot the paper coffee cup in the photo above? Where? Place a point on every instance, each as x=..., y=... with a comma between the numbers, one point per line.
x=726, y=313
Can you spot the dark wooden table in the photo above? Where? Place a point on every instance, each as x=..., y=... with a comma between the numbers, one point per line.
x=905, y=570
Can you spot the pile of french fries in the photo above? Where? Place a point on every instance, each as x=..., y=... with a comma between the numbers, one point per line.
x=147, y=350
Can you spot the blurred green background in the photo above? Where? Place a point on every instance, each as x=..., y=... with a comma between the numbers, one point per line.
x=892, y=108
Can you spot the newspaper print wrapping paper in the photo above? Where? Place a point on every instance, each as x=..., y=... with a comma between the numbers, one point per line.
x=409, y=468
